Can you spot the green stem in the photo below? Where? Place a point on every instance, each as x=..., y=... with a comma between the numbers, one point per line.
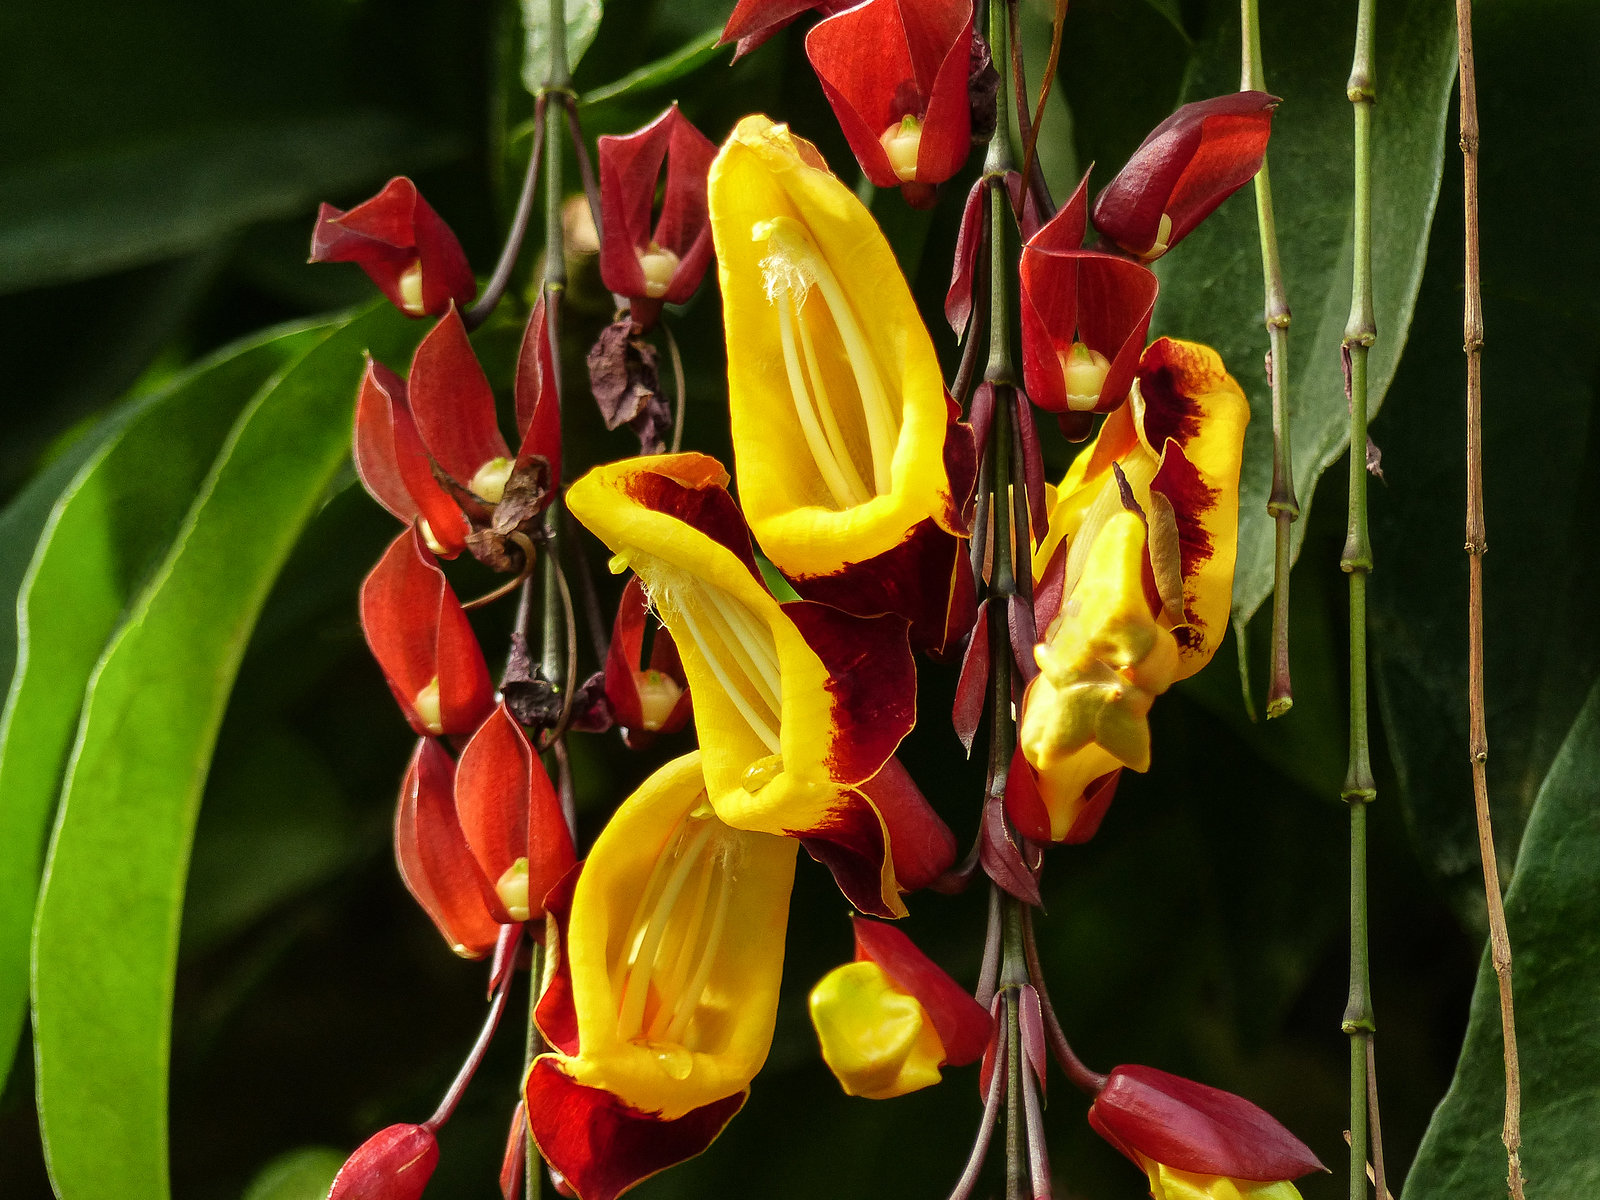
x=1282, y=504
x=532, y=1174
x=1359, y=789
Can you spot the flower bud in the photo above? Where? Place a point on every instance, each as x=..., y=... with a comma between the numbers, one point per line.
x=901, y=143
x=402, y=245
x=393, y=1164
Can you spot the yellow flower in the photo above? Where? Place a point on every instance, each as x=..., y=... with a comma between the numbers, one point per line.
x=839, y=412
x=876, y=1038
x=1168, y=1183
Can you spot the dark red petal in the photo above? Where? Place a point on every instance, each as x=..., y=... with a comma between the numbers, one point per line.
x=393, y=463
x=435, y=864
x=963, y=1024
x=850, y=844
x=947, y=126
x=389, y=233
x=1190, y=163
x=1024, y=805
x=630, y=166
x=684, y=226
x=872, y=679
x=446, y=274
x=694, y=489
x=453, y=403
x=1103, y=300
x=920, y=843
x=1065, y=231
x=493, y=792
x=465, y=694
x=754, y=21
x=393, y=1164
x=1032, y=468
x=623, y=658
x=516, y=1154
x=399, y=613
x=1002, y=859
x=1097, y=799
x=555, y=1013
x=538, y=398
x=972, y=687
x=969, y=240
x=1193, y=1127
x=602, y=1146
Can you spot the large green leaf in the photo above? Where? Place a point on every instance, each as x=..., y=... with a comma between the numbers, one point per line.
x=1211, y=284
x=660, y=72
x=582, y=22
x=115, y=516
x=1552, y=909
x=303, y=1174
x=77, y=216
x=106, y=936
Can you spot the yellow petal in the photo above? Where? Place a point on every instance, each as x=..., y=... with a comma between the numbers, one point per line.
x=837, y=402
x=1168, y=1183
x=876, y=1039
x=675, y=943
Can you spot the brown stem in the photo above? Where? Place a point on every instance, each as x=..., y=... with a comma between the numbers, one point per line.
x=496, y=287
x=1477, y=544
x=681, y=386
x=528, y=556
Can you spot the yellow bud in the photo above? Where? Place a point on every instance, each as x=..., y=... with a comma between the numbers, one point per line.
x=659, y=266
x=901, y=142
x=1084, y=372
x=876, y=1039
x=512, y=888
x=411, y=290
x=426, y=706
x=658, y=696
x=489, y=481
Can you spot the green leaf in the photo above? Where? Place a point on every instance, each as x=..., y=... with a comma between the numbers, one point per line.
x=1211, y=284
x=1553, y=903
x=659, y=73
x=106, y=936
x=99, y=541
x=303, y=1174
x=104, y=209
x=582, y=23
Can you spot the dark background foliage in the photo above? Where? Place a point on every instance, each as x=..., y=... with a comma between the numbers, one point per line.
x=162, y=165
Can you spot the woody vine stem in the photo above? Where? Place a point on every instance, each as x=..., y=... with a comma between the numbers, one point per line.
x=1359, y=789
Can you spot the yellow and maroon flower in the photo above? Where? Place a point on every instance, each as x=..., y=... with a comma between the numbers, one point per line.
x=1195, y=1142
x=663, y=263
x=402, y=245
x=896, y=75
x=888, y=1021
x=1190, y=163
x=799, y=707
x=668, y=950
x=852, y=467
x=1135, y=583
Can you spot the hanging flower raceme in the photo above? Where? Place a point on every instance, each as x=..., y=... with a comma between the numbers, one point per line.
x=441, y=424
x=799, y=707
x=888, y=1021
x=896, y=73
x=852, y=468
x=1085, y=315
x=1190, y=163
x=1195, y=1142
x=420, y=635
x=661, y=1009
x=645, y=700
x=662, y=263
x=1135, y=584
x=402, y=245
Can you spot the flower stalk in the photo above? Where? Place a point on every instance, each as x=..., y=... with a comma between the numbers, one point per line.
x=1282, y=505
x=1359, y=790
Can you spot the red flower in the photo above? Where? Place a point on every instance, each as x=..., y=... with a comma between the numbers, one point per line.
x=896, y=75
x=420, y=636
x=1085, y=315
x=393, y=1164
x=402, y=244
x=1192, y=162
x=649, y=700
x=754, y=21
x=663, y=263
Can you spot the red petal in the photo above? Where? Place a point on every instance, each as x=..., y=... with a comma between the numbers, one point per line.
x=958, y=300
x=1097, y=798
x=1024, y=805
x=972, y=688
x=1190, y=163
x=435, y=864
x=850, y=844
x=1001, y=858
x=1192, y=1127
x=494, y=785
x=684, y=226
x=538, y=398
x=393, y=1164
x=963, y=1024
x=693, y=488
x=453, y=403
x=920, y=843
x=516, y=1155
x=386, y=235
x=1065, y=231
x=393, y=463
x=1103, y=300
x=602, y=1146
x=627, y=648
x=555, y=1014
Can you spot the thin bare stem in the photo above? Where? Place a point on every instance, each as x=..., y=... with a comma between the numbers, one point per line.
x=509, y=934
x=989, y=971
x=591, y=188
x=599, y=632
x=991, y=1114
x=1038, y=1152
x=1282, y=505
x=1028, y=130
x=1477, y=546
x=680, y=386
x=1080, y=1076
x=1356, y=560
x=496, y=287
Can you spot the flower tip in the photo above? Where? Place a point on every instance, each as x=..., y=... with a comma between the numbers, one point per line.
x=393, y=1164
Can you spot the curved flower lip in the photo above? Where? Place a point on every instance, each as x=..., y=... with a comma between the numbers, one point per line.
x=1155, y=1115
x=423, y=641
x=884, y=60
x=709, y=904
x=780, y=218
x=629, y=168
x=964, y=1025
x=393, y=233
x=1190, y=163
x=1186, y=425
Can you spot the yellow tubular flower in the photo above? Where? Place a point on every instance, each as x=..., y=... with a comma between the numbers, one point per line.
x=1168, y=1183
x=838, y=405
x=675, y=946
x=876, y=1038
